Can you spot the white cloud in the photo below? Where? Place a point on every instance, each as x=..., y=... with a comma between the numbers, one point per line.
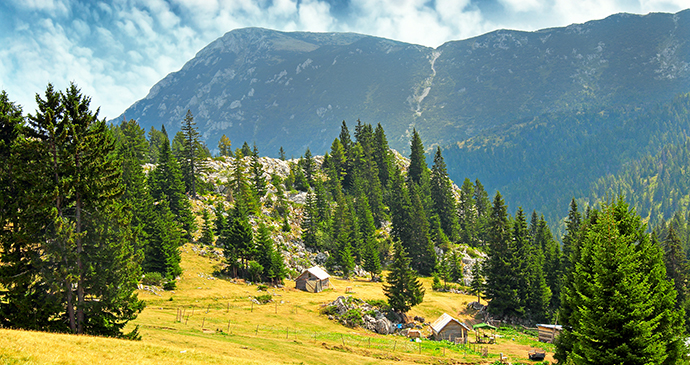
x=116, y=51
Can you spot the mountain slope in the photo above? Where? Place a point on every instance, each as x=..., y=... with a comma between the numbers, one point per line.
x=294, y=89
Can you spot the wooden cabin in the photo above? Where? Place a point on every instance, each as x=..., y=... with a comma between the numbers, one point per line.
x=313, y=280
x=449, y=328
x=548, y=332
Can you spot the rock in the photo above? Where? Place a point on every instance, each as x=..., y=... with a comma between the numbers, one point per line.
x=384, y=326
x=321, y=258
x=419, y=319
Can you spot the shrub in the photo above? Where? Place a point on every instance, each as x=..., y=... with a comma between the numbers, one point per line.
x=263, y=299
x=329, y=310
x=381, y=304
x=353, y=318
x=262, y=287
x=169, y=285
x=152, y=278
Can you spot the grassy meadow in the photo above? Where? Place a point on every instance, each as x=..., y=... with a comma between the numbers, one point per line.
x=213, y=321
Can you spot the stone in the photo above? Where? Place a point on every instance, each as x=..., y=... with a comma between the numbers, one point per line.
x=384, y=326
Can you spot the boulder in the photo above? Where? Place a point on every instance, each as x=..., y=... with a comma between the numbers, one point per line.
x=384, y=326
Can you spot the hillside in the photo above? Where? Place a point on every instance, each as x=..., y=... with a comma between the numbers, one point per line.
x=236, y=332
x=543, y=162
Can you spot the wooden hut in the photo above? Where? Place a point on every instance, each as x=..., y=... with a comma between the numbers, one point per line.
x=313, y=280
x=449, y=328
x=548, y=332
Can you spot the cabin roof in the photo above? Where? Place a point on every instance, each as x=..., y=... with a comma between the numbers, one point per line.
x=318, y=272
x=442, y=321
x=551, y=326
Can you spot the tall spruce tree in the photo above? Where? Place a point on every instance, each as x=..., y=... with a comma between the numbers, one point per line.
x=225, y=146
x=442, y=197
x=467, y=214
x=501, y=279
x=191, y=163
x=677, y=271
x=76, y=242
x=623, y=303
x=418, y=167
x=483, y=208
x=402, y=288
x=165, y=183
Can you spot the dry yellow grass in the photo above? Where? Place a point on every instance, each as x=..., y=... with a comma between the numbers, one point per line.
x=221, y=325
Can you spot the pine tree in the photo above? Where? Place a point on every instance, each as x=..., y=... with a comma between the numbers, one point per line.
x=677, y=271
x=207, y=232
x=421, y=247
x=372, y=262
x=265, y=252
x=240, y=239
x=442, y=197
x=191, y=164
x=246, y=150
x=382, y=156
x=310, y=222
x=258, y=179
x=71, y=224
x=501, y=281
x=418, y=167
x=402, y=288
x=281, y=153
x=163, y=248
x=225, y=146
x=483, y=208
x=308, y=166
x=156, y=140
x=477, y=284
x=165, y=182
x=552, y=262
x=623, y=303
x=571, y=235
x=467, y=213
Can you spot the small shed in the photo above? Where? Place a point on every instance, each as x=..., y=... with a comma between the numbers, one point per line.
x=313, y=280
x=548, y=332
x=449, y=328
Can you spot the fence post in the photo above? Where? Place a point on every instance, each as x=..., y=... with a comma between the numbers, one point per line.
x=228, y=326
x=287, y=332
x=202, y=323
x=420, y=347
x=208, y=308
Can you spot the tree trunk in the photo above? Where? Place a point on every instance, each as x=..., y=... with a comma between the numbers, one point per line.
x=80, y=271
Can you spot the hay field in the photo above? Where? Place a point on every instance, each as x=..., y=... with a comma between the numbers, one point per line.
x=213, y=321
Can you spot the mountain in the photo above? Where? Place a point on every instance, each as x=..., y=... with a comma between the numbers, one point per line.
x=539, y=115
x=293, y=89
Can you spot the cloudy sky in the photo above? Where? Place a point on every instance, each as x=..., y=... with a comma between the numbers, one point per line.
x=116, y=50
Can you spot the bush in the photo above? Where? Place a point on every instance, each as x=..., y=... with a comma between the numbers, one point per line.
x=152, y=278
x=353, y=318
x=262, y=287
x=263, y=299
x=169, y=285
x=329, y=310
x=381, y=304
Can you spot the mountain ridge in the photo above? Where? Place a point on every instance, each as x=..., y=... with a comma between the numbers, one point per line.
x=261, y=85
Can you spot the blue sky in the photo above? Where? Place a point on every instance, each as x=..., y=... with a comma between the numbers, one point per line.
x=117, y=50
